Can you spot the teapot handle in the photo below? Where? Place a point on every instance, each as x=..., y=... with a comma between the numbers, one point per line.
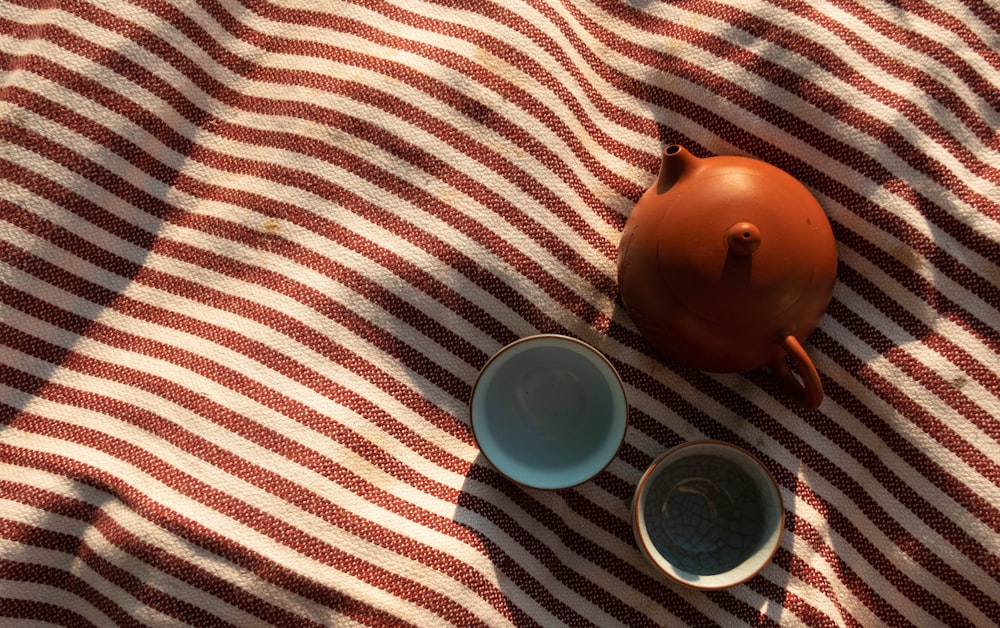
x=809, y=392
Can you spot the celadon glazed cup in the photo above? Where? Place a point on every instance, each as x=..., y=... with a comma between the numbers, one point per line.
x=549, y=411
x=708, y=514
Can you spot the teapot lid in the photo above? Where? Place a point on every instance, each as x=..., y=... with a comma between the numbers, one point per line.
x=741, y=241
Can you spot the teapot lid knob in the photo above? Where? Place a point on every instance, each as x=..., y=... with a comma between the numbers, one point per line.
x=743, y=238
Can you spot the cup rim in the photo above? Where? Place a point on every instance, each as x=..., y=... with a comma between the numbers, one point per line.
x=645, y=544
x=560, y=338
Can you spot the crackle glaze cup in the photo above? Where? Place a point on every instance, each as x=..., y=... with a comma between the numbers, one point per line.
x=708, y=514
x=549, y=411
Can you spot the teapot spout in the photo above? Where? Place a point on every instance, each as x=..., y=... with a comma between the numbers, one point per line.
x=674, y=162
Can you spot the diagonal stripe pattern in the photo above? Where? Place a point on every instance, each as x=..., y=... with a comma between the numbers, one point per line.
x=253, y=255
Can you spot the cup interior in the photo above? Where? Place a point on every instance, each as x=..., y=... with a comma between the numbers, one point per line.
x=708, y=514
x=549, y=411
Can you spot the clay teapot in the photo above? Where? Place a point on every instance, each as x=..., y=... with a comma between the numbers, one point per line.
x=727, y=264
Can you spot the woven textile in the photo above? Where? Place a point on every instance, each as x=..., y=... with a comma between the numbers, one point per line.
x=253, y=255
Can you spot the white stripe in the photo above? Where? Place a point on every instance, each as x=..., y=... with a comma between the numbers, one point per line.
x=938, y=409
x=117, y=557
x=63, y=599
x=903, y=57
x=296, y=94
x=825, y=601
x=221, y=393
x=912, y=23
x=343, y=498
x=845, y=462
x=385, y=276
x=305, y=478
x=579, y=568
x=835, y=45
x=461, y=46
x=228, y=397
x=298, y=309
x=945, y=245
x=191, y=343
x=187, y=507
x=302, y=198
x=807, y=112
x=923, y=544
x=980, y=353
x=171, y=544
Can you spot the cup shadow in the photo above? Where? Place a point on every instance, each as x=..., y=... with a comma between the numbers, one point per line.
x=552, y=549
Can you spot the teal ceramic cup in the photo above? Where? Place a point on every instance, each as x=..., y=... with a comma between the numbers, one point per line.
x=549, y=411
x=708, y=514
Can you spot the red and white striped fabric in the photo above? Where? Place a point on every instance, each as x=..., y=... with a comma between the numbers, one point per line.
x=253, y=254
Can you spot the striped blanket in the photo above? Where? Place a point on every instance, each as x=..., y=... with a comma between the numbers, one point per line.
x=254, y=253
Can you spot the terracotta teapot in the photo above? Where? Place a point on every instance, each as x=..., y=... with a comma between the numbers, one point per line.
x=726, y=264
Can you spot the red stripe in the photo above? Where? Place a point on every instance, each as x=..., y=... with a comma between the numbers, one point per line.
x=790, y=602
x=964, y=495
x=259, y=351
x=807, y=573
x=270, y=207
x=250, y=236
x=585, y=547
x=935, y=602
x=221, y=458
x=903, y=540
x=929, y=514
x=933, y=382
x=821, y=181
x=577, y=542
x=285, y=177
x=923, y=81
x=800, y=527
x=818, y=96
x=994, y=288
x=827, y=59
x=794, y=523
x=600, y=555
x=163, y=561
x=920, y=287
x=414, y=116
x=38, y=574
x=979, y=283
x=948, y=437
x=109, y=181
x=302, y=333
x=916, y=503
x=196, y=534
x=313, y=502
x=371, y=492
x=240, y=425
x=134, y=343
x=986, y=12
x=33, y=610
x=498, y=83
x=262, y=521
x=411, y=274
x=80, y=550
x=849, y=577
x=916, y=40
x=366, y=490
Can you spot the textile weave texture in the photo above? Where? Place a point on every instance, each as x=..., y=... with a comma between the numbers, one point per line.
x=253, y=255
